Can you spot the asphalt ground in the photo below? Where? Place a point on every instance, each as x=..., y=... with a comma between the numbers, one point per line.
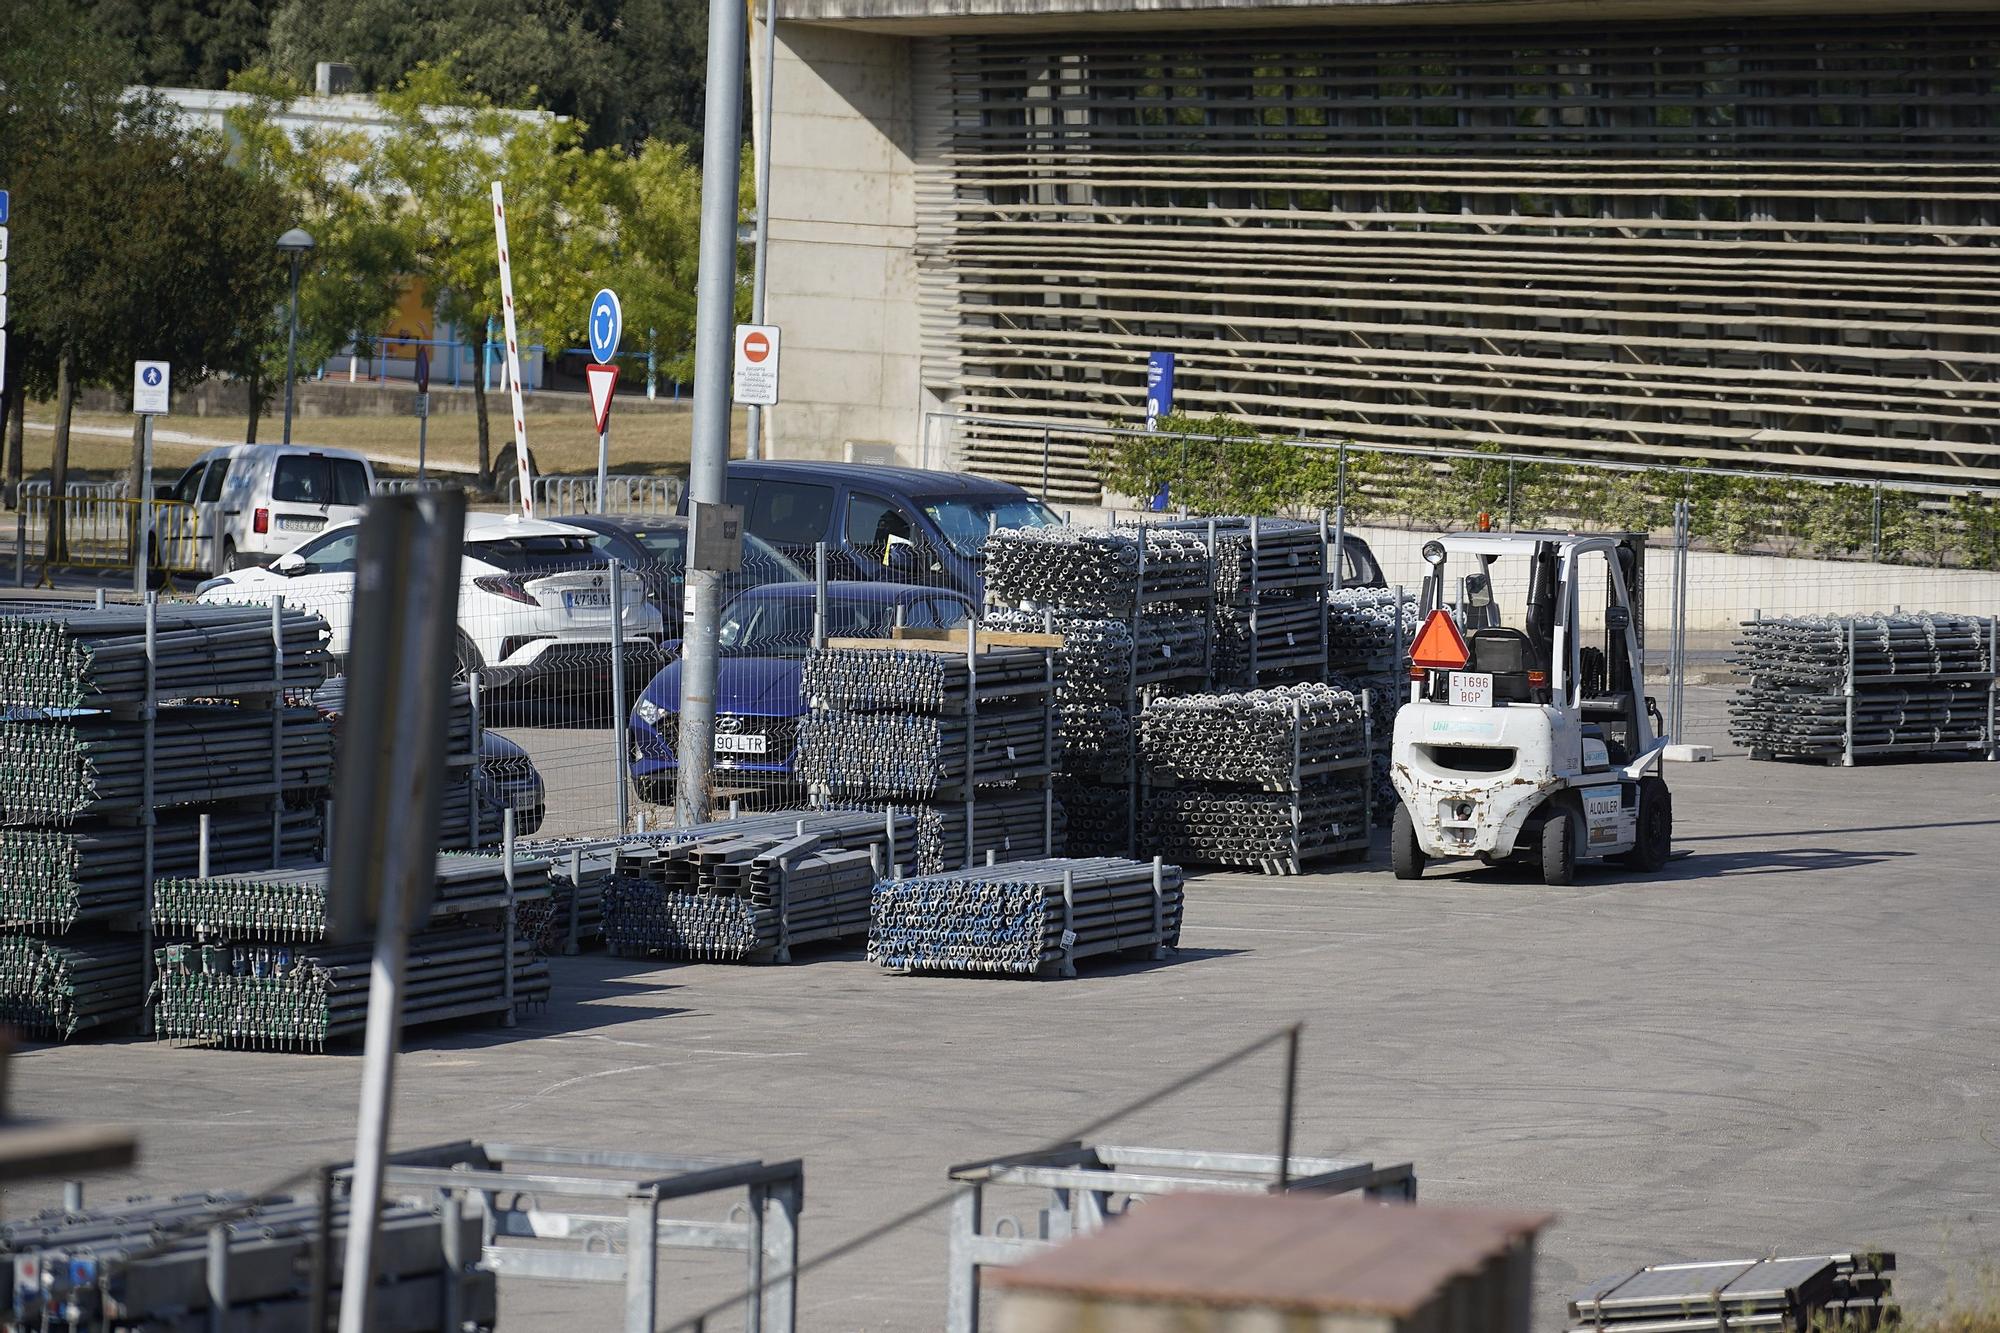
x=1788, y=1041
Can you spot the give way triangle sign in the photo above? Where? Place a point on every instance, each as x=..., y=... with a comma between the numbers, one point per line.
x=603, y=380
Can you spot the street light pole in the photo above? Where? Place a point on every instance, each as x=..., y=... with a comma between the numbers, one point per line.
x=714, y=346
x=297, y=244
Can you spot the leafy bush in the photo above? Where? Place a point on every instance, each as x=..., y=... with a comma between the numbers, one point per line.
x=1216, y=464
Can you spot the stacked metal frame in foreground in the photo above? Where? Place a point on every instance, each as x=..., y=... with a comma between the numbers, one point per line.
x=1843, y=1291
x=1029, y=918
x=1841, y=688
x=1268, y=779
x=136, y=741
x=209, y=1261
x=1089, y=1186
x=570, y=1215
x=963, y=729
x=749, y=889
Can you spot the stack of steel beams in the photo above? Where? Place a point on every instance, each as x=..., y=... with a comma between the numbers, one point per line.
x=70, y=656
x=221, y=1261
x=1265, y=778
x=1094, y=569
x=1028, y=918
x=1787, y=1295
x=306, y=998
x=59, y=768
x=1097, y=817
x=738, y=895
x=1838, y=688
x=291, y=905
x=53, y=879
x=56, y=988
x=572, y=916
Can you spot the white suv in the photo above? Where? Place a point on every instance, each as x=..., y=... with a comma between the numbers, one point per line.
x=534, y=600
x=253, y=502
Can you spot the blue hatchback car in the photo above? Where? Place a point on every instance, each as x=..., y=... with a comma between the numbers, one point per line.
x=758, y=703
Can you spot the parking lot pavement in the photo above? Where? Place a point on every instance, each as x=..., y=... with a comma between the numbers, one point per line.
x=1788, y=1041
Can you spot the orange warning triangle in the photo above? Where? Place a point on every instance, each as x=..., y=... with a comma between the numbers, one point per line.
x=1439, y=645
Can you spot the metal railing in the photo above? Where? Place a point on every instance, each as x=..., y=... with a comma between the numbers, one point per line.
x=624, y=493
x=107, y=532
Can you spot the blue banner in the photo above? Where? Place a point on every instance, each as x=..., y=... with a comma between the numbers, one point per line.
x=1159, y=387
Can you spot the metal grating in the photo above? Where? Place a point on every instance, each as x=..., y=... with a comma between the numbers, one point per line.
x=1770, y=241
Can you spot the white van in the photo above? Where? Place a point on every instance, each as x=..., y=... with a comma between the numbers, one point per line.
x=254, y=502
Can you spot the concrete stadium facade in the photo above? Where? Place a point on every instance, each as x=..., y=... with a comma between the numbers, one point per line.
x=1761, y=232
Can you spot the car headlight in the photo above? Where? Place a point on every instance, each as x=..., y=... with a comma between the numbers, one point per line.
x=649, y=712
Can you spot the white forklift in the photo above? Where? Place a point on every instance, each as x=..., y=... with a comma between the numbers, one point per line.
x=1532, y=738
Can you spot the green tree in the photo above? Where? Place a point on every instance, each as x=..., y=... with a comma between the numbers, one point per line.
x=656, y=251
x=448, y=147
x=348, y=288
x=185, y=43
x=520, y=53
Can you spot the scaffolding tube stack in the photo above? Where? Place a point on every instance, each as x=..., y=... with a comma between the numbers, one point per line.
x=467, y=819
x=136, y=741
x=572, y=916
x=290, y=906
x=1369, y=632
x=1031, y=918
x=1834, y=1291
x=1837, y=689
x=57, y=878
x=55, y=988
x=223, y=1261
x=1270, y=577
x=1100, y=570
x=285, y=998
x=750, y=890
x=1269, y=779
x=966, y=728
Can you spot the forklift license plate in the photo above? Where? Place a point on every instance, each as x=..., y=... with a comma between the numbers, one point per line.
x=1472, y=689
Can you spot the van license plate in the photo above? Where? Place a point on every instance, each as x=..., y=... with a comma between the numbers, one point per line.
x=587, y=600
x=286, y=524
x=1472, y=689
x=739, y=744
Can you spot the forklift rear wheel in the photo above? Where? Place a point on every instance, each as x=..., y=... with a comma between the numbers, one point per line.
x=1404, y=855
x=1559, y=848
x=1655, y=846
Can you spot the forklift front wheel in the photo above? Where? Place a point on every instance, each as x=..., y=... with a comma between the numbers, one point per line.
x=1559, y=847
x=1405, y=856
x=1655, y=846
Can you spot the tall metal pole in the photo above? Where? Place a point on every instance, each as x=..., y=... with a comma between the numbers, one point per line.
x=142, y=530
x=754, y=447
x=708, y=462
x=292, y=348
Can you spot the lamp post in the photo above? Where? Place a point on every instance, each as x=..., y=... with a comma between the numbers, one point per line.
x=296, y=244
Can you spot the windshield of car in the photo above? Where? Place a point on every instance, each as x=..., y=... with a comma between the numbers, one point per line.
x=315, y=479
x=965, y=522
x=782, y=626
x=535, y=554
x=667, y=547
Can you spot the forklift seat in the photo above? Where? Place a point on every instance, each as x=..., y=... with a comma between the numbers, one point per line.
x=1508, y=656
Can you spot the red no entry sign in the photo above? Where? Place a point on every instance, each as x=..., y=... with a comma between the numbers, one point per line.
x=756, y=347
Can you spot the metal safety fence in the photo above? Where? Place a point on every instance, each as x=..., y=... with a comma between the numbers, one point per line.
x=97, y=527
x=624, y=493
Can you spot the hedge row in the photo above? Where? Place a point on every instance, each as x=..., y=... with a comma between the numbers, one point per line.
x=1216, y=465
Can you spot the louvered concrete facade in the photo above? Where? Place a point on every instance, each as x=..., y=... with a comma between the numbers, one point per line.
x=1755, y=232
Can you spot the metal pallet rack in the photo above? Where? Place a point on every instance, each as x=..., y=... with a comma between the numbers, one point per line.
x=139, y=699
x=1034, y=775
x=1086, y=1183
x=1306, y=778
x=1384, y=673
x=1272, y=592
x=533, y=1197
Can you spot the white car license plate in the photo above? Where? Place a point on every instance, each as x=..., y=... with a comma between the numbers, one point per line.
x=738, y=744
x=1472, y=689
x=300, y=524
x=590, y=599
